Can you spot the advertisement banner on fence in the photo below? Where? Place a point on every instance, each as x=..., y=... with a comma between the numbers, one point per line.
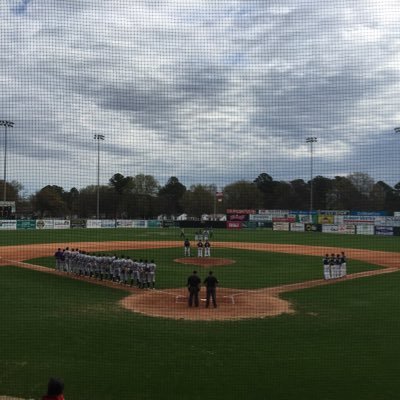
x=288, y=219
x=275, y=213
x=384, y=230
x=233, y=225
x=124, y=223
x=153, y=223
x=237, y=217
x=8, y=225
x=297, y=227
x=326, y=219
x=78, y=223
x=347, y=229
x=26, y=224
x=62, y=224
x=387, y=221
x=93, y=223
x=305, y=218
x=260, y=217
x=281, y=226
x=369, y=213
x=108, y=223
x=365, y=229
x=312, y=228
x=359, y=219
x=333, y=212
x=140, y=223
x=44, y=224
x=330, y=228
x=246, y=212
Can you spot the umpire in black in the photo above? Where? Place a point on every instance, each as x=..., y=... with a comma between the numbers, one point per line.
x=211, y=283
x=193, y=284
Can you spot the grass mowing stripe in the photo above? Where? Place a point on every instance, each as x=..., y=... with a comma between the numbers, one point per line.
x=334, y=347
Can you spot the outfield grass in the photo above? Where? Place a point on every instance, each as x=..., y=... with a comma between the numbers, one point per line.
x=258, y=235
x=341, y=344
x=251, y=270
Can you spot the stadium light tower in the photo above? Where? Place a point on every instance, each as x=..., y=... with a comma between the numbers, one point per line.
x=98, y=138
x=311, y=140
x=6, y=124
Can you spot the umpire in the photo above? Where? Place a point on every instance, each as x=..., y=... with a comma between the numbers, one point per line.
x=193, y=284
x=211, y=283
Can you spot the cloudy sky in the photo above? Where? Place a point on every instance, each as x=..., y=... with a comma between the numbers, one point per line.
x=207, y=91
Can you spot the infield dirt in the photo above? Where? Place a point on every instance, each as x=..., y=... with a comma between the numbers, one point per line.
x=232, y=303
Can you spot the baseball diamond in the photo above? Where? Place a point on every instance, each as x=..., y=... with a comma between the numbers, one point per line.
x=236, y=304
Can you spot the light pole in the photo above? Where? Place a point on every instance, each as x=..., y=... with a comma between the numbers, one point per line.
x=6, y=124
x=98, y=138
x=311, y=140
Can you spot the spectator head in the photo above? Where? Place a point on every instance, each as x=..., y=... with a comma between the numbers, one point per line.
x=55, y=387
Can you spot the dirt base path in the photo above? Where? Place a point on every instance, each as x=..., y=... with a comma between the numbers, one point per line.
x=232, y=303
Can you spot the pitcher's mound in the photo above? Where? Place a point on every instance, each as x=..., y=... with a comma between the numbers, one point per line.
x=205, y=261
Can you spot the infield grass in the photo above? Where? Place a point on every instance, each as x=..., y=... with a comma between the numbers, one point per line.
x=342, y=343
x=251, y=270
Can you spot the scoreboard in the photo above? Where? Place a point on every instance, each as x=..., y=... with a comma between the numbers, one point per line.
x=7, y=209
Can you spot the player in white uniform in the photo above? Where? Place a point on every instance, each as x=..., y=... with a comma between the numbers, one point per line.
x=151, y=280
x=343, y=265
x=186, y=246
x=326, y=267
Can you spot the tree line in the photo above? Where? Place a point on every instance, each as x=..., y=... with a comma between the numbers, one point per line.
x=142, y=196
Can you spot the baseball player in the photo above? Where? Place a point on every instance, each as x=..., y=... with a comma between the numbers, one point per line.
x=58, y=255
x=186, y=246
x=200, y=249
x=326, y=267
x=207, y=249
x=343, y=265
x=193, y=285
x=151, y=278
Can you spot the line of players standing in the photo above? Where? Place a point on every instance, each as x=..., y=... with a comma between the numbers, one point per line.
x=122, y=270
x=335, y=266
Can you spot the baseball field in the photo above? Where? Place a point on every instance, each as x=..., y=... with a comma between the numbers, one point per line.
x=280, y=331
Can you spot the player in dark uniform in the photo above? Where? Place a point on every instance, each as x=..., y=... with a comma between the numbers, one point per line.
x=186, y=246
x=211, y=283
x=343, y=265
x=193, y=284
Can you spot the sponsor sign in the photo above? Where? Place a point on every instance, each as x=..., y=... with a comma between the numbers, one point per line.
x=287, y=219
x=369, y=213
x=384, y=230
x=260, y=217
x=124, y=223
x=44, y=224
x=358, y=219
x=365, y=229
x=8, y=225
x=78, y=223
x=326, y=219
x=26, y=224
x=387, y=221
x=333, y=212
x=139, y=223
x=330, y=228
x=108, y=223
x=275, y=213
x=93, y=223
x=297, y=227
x=281, y=226
x=246, y=212
x=237, y=217
x=347, y=229
x=233, y=225
x=305, y=218
x=62, y=224
x=153, y=223
x=396, y=214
